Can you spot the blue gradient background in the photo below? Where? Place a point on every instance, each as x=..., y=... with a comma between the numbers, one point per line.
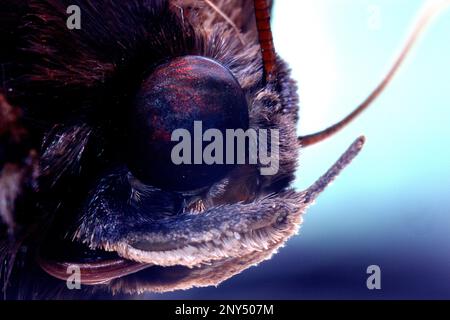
x=391, y=206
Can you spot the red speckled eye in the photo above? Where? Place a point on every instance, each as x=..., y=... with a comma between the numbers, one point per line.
x=184, y=90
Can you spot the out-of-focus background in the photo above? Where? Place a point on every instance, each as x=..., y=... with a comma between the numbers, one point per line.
x=391, y=206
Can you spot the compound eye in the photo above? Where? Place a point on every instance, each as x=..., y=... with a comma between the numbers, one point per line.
x=182, y=94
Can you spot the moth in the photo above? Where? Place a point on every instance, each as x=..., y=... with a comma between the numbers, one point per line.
x=84, y=122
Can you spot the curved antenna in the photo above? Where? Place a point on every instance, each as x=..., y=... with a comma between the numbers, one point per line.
x=262, y=13
x=314, y=138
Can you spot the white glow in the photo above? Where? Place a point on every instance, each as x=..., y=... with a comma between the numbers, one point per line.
x=301, y=39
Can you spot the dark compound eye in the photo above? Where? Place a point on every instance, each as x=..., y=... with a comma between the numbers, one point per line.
x=184, y=90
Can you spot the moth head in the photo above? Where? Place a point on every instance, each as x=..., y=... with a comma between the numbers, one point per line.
x=134, y=203
x=111, y=200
